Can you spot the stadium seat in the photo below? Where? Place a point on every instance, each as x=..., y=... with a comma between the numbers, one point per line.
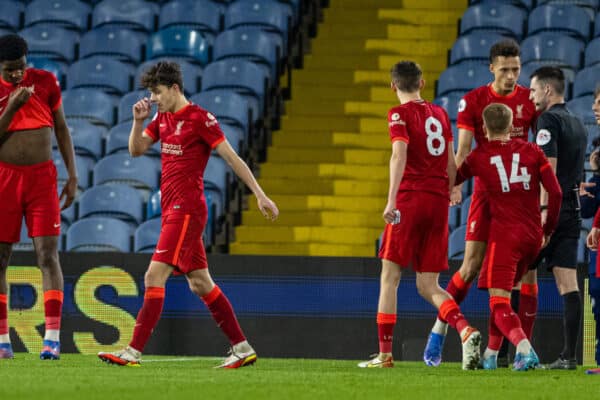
x=235, y=136
x=582, y=250
x=586, y=81
x=91, y=104
x=592, y=53
x=99, y=234
x=494, y=17
x=117, y=140
x=474, y=47
x=82, y=164
x=124, y=111
x=115, y=201
x=146, y=236
x=566, y=18
x=456, y=243
x=10, y=14
x=101, y=72
x=192, y=73
x=217, y=176
x=464, y=209
x=71, y=14
x=582, y=107
x=153, y=208
x=591, y=4
x=553, y=48
x=177, y=41
x=525, y=4
x=86, y=137
x=245, y=77
x=597, y=25
x=450, y=103
x=463, y=78
x=453, y=217
x=253, y=45
x=136, y=14
x=140, y=172
x=121, y=43
x=203, y=15
x=51, y=41
x=58, y=68
x=227, y=106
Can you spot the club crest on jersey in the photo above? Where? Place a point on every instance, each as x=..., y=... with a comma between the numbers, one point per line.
x=520, y=111
x=178, y=128
x=211, y=120
x=462, y=104
x=395, y=120
x=543, y=137
x=472, y=227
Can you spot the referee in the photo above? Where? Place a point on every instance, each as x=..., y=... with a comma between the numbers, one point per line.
x=563, y=139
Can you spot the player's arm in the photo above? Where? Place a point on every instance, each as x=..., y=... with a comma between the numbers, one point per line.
x=266, y=206
x=65, y=146
x=543, y=191
x=465, y=141
x=594, y=235
x=451, y=167
x=140, y=142
x=553, y=196
x=397, y=166
x=16, y=100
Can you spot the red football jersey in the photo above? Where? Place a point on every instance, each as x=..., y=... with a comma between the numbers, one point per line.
x=470, y=111
x=187, y=139
x=39, y=109
x=425, y=127
x=511, y=172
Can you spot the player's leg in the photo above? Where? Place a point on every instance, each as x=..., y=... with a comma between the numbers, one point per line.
x=386, y=314
x=5, y=345
x=147, y=318
x=46, y=249
x=241, y=353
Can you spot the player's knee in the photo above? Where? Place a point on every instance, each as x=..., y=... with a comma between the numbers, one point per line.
x=5, y=252
x=200, y=287
x=47, y=258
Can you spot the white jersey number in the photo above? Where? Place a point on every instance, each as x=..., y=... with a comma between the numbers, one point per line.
x=436, y=144
x=517, y=175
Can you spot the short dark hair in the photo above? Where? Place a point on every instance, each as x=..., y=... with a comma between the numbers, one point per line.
x=551, y=76
x=165, y=73
x=497, y=117
x=12, y=47
x=504, y=48
x=406, y=75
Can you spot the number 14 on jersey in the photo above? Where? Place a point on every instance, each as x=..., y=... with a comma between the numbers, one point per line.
x=517, y=175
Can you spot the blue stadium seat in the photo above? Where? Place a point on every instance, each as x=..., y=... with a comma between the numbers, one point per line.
x=453, y=217
x=86, y=137
x=456, y=243
x=136, y=14
x=235, y=136
x=592, y=53
x=494, y=17
x=101, y=72
x=203, y=15
x=217, y=176
x=115, y=201
x=525, y=4
x=117, y=140
x=553, y=48
x=99, y=234
x=153, y=208
x=474, y=47
x=58, y=68
x=51, y=41
x=464, y=209
x=82, y=164
x=582, y=250
x=463, y=78
x=71, y=14
x=192, y=73
x=146, y=236
x=91, y=104
x=586, y=81
x=253, y=45
x=10, y=14
x=582, y=107
x=245, y=77
x=126, y=103
x=597, y=25
x=591, y=4
x=140, y=172
x=450, y=103
x=121, y=43
x=227, y=106
x=566, y=18
x=177, y=41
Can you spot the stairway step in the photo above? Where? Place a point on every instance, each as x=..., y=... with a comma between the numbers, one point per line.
x=333, y=29
x=324, y=187
x=410, y=16
x=321, y=155
x=412, y=47
x=434, y=4
x=329, y=171
x=307, y=234
x=343, y=5
x=345, y=78
x=398, y=31
x=302, y=202
x=317, y=218
x=334, y=61
x=303, y=249
x=307, y=94
x=311, y=124
x=331, y=139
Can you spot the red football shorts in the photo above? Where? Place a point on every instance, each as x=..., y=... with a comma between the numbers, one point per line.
x=30, y=191
x=478, y=223
x=507, y=260
x=180, y=243
x=420, y=239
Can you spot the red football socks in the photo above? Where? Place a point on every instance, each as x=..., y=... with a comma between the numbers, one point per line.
x=528, y=307
x=53, y=301
x=223, y=314
x=506, y=320
x=385, y=331
x=3, y=314
x=458, y=289
x=450, y=312
x=148, y=317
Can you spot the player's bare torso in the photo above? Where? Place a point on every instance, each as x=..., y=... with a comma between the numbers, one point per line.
x=26, y=147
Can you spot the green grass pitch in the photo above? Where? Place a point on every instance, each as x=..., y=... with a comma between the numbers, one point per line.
x=85, y=377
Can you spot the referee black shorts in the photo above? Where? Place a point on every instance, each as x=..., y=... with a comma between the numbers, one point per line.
x=564, y=242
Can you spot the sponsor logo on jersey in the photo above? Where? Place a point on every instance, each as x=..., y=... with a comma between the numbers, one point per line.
x=462, y=105
x=211, y=120
x=395, y=120
x=173, y=149
x=543, y=137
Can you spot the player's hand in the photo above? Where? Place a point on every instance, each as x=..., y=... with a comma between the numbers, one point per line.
x=68, y=193
x=19, y=97
x=583, y=186
x=592, y=239
x=545, y=241
x=455, y=196
x=390, y=213
x=267, y=208
x=594, y=160
x=142, y=109
x=544, y=216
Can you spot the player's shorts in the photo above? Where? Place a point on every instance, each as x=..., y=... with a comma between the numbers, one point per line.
x=180, y=243
x=478, y=222
x=420, y=239
x=561, y=251
x=506, y=261
x=30, y=191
